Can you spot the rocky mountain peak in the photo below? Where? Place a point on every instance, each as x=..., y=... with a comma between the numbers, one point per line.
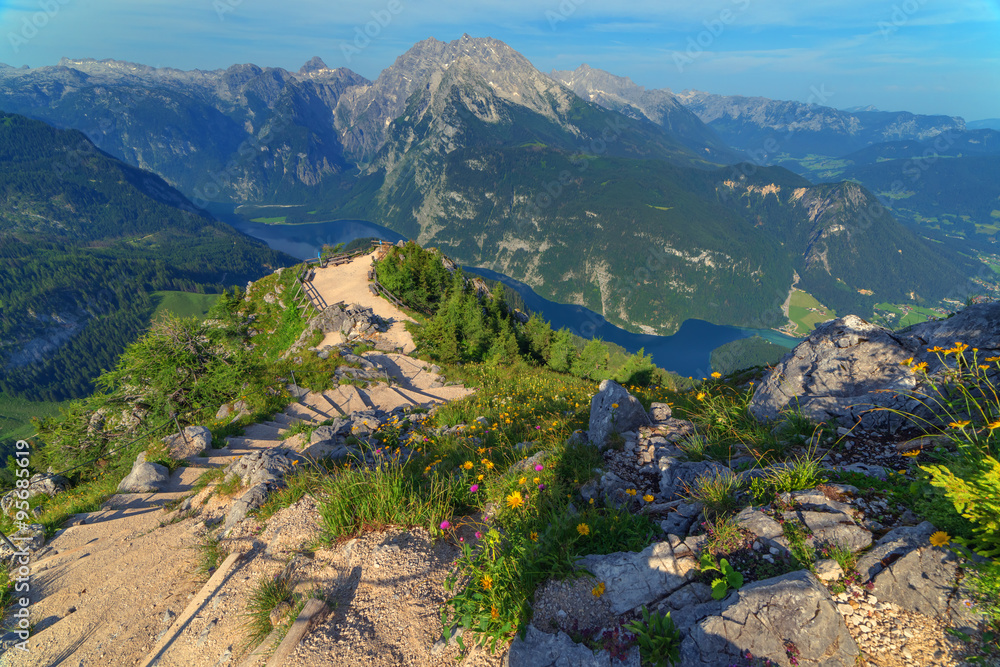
x=315, y=64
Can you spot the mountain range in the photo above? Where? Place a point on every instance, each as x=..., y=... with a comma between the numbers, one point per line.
x=587, y=187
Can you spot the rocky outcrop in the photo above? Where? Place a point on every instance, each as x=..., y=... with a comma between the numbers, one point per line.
x=145, y=477
x=263, y=472
x=634, y=579
x=539, y=649
x=906, y=570
x=850, y=371
x=38, y=484
x=189, y=443
x=614, y=410
x=767, y=618
x=31, y=538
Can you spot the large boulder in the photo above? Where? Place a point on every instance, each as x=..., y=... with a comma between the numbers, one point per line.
x=540, y=649
x=766, y=618
x=850, y=371
x=614, y=410
x=907, y=571
x=145, y=477
x=264, y=473
x=633, y=579
x=190, y=442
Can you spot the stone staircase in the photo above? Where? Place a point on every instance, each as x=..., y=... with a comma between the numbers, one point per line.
x=108, y=588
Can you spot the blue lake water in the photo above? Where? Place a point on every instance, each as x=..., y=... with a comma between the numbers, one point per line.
x=687, y=352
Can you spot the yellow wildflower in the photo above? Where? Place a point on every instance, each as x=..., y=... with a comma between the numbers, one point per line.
x=648, y=498
x=467, y=465
x=961, y=424
x=598, y=590
x=940, y=538
x=614, y=406
x=907, y=362
x=494, y=613
x=919, y=368
x=533, y=536
x=700, y=396
x=489, y=465
x=936, y=348
x=912, y=452
x=716, y=375
x=993, y=425
x=631, y=492
x=523, y=480
x=487, y=582
x=583, y=529
x=992, y=359
x=515, y=500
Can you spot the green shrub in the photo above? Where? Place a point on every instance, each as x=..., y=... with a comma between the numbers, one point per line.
x=976, y=496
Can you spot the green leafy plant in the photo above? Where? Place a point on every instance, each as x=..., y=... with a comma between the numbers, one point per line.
x=659, y=641
x=729, y=578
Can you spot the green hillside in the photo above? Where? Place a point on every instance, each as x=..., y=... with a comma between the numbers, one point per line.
x=85, y=241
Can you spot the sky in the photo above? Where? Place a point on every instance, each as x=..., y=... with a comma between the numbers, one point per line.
x=924, y=56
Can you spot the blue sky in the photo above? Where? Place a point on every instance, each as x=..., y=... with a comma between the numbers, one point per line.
x=926, y=56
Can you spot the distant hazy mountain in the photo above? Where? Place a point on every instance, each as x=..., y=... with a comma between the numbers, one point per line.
x=659, y=106
x=770, y=128
x=985, y=124
x=84, y=240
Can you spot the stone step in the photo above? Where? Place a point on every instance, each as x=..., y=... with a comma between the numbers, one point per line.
x=284, y=419
x=421, y=398
x=243, y=444
x=277, y=426
x=347, y=398
x=386, y=398
x=305, y=413
x=322, y=404
x=262, y=432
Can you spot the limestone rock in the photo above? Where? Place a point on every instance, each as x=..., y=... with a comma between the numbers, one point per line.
x=660, y=412
x=676, y=475
x=760, y=618
x=193, y=442
x=907, y=571
x=848, y=366
x=828, y=569
x=633, y=579
x=31, y=538
x=38, y=484
x=145, y=477
x=539, y=649
x=606, y=419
